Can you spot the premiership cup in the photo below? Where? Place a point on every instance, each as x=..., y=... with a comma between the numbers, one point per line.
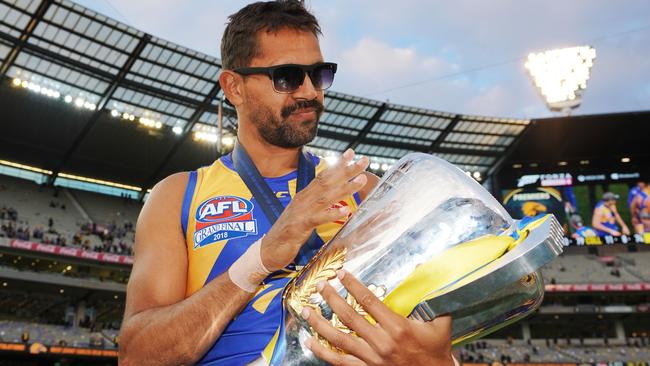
x=429, y=240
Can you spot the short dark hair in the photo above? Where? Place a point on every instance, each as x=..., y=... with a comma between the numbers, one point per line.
x=239, y=43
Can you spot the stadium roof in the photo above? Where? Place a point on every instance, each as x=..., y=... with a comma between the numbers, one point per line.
x=109, y=67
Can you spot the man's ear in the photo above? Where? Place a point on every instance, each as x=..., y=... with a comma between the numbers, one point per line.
x=232, y=84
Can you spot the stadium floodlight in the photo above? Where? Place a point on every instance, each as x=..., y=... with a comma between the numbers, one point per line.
x=36, y=88
x=228, y=141
x=206, y=136
x=374, y=166
x=561, y=75
x=177, y=130
x=148, y=122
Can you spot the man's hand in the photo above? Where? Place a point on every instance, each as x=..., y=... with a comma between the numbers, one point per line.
x=394, y=340
x=626, y=230
x=311, y=207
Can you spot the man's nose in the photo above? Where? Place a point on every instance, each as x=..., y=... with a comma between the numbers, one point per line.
x=306, y=90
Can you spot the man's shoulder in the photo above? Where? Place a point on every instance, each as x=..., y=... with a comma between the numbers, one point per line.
x=172, y=183
x=169, y=192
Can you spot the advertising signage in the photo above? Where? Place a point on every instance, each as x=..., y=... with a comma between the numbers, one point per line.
x=40, y=349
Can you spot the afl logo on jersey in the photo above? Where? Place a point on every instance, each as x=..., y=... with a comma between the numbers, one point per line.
x=223, y=218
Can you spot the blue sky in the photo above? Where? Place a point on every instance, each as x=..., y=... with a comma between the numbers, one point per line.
x=461, y=56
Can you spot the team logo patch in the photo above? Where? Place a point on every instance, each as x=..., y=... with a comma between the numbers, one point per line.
x=223, y=218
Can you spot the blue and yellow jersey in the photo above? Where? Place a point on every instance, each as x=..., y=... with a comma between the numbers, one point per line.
x=644, y=209
x=586, y=232
x=221, y=220
x=609, y=220
x=634, y=192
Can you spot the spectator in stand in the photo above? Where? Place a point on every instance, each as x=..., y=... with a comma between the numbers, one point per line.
x=25, y=336
x=123, y=247
x=9, y=229
x=37, y=233
x=23, y=233
x=606, y=217
x=8, y=213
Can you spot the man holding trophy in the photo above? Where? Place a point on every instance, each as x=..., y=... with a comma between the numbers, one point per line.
x=258, y=260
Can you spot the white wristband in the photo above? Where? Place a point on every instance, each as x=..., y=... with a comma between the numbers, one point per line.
x=248, y=269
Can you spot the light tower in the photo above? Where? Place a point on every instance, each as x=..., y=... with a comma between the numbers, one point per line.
x=561, y=75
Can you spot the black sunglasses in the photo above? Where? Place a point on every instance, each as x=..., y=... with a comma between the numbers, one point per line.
x=289, y=77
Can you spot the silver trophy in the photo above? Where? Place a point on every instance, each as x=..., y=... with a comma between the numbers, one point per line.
x=428, y=240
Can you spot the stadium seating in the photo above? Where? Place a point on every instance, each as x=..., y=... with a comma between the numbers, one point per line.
x=575, y=268
x=538, y=351
x=36, y=204
x=25, y=306
x=69, y=217
x=107, y=209
x=637, y=264
x=12, y=331
x=113, y=280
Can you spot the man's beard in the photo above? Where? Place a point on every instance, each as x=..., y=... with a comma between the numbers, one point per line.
x=282, y=133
